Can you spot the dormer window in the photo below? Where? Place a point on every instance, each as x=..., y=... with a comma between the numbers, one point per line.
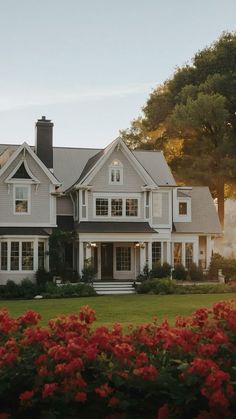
x=116, y=172
x=183, y=208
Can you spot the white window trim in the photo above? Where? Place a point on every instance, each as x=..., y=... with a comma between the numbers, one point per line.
x=119, y=167
x=21, y=185
x=35, y=241
x=109, y=198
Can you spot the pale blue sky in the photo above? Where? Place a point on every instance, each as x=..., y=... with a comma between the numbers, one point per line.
x=89, y=65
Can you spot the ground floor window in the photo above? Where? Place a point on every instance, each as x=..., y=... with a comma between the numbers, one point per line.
x=18, y=255
x=188, y=254
x=123, y=258
x=177, y=253
x=156, y=252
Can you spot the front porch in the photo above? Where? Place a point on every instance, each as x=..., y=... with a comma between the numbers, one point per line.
x=123, y=259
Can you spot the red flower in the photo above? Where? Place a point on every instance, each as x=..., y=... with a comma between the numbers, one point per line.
x=103, y=390
x=163, y=412
x=49, y=390
x=29, y=318
x=114, y=401
x=27, y=395
x=147, y=373
x=81, y=396
x=4, y=415
x=87, y=315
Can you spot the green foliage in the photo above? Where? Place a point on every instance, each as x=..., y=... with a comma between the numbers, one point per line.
x=68, y=290
x=88, y=272
x=157, y=286
x=197, y=105
x=25, y=290
x=167, y=286
x=195, y=272
x=161, y=271
x=57, y=242
x=42, y=277
x=179, y=273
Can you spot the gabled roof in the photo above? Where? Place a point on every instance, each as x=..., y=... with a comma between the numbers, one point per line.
x=26, y=147
x=97, y=161
x=204, y=216
x=70, y=162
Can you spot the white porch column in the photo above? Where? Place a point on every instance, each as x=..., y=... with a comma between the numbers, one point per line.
x=36, y=262
x=168, y=253
x=208, y=250
x=99, y=273
x=142, y=257
x=162, y=253
x=88, y=252
x=183, y=254
x=81, y=257
x=149, y=255
x=196, y=251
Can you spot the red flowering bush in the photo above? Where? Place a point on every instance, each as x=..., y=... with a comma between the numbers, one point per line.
x=70, y=370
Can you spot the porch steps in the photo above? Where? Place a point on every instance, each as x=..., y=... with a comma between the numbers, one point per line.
x=114, y=287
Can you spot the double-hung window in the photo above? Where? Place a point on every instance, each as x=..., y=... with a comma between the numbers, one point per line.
x=131, y=207
x=101, y=206
x=21, y=199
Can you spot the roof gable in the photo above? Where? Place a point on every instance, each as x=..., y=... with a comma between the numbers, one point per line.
x=96, y=162
x=23, y=149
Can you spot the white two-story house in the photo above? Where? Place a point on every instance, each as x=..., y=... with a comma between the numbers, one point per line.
x=124, y=206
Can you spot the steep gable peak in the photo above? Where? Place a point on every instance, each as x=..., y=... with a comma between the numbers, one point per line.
x=96, y=162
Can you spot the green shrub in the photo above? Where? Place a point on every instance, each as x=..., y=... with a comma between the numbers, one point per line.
x=12, y=290
x=145, y=274
x=195, y=272
x=179, y=273
x=217, y=262
x=68, y=290
x=42, y=277
x=27, y=289
x=161, y=271
x=88, y=272
x=157, y=286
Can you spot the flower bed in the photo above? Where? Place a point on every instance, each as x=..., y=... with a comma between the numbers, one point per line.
x=69, y=370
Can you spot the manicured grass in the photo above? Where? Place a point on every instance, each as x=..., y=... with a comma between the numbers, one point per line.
x=123, y=309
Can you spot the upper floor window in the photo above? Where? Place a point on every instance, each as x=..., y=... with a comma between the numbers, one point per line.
x=131, y=207
x=101, y=206
x=116, y=207
x=183, y=209
x=116, y=172
x=21, y=199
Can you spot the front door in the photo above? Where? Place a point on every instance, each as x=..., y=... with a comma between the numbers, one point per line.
x=107, y=260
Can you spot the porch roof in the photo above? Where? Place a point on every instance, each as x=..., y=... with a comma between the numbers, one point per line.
x=23, y=231
x=114, y=227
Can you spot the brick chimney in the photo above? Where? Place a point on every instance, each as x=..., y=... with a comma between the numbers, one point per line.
x=43, y=144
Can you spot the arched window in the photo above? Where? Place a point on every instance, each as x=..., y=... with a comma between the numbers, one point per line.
x=116, y=172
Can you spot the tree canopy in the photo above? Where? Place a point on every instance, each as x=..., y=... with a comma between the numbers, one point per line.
x=192, y=118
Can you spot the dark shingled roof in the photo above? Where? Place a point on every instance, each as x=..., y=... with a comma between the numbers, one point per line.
x=23, y=231
x=114, y=227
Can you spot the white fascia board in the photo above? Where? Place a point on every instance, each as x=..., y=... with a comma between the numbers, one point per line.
x=25, y=146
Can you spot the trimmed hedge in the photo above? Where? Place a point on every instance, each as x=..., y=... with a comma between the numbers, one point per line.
x=28, y=290
x=168, y=286
x=71, y=370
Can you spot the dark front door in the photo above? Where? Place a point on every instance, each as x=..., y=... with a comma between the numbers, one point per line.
x=107, y=260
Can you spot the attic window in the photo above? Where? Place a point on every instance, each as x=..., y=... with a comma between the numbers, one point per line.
x=21, y=173
x=116, y=172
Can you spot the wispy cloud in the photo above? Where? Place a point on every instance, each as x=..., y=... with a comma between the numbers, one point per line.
x=19, y=98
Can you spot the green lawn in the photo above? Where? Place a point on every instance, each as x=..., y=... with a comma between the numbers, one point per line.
x=124, y=309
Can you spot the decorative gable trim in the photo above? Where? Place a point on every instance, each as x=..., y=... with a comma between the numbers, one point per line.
x=12, y=179
x=119, y=144
x=23, y=148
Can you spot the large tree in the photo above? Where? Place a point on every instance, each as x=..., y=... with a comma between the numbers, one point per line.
x=192, y=118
